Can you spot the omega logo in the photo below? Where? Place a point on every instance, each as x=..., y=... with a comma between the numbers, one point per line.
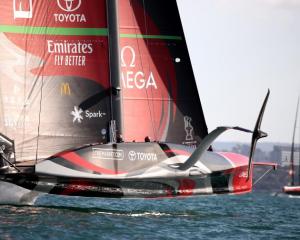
x=132, y=62
x=133, y=78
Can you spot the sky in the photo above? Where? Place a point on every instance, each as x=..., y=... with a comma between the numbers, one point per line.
x=239, y=49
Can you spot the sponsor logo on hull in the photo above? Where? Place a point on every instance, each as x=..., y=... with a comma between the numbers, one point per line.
x=99, y=153
x=142, y=156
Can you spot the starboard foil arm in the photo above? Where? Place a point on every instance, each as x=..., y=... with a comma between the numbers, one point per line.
x=257, y=133
x=205, y=144
x=209, y=139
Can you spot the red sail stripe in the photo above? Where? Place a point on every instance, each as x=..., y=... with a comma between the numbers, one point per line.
x=79, y=161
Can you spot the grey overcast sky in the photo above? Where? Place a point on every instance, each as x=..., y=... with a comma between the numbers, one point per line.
x=239, y=49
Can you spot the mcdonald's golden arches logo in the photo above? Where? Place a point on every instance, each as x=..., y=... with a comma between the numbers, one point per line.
x=65, y=89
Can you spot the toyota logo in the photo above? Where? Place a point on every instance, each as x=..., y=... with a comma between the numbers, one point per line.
x=69, y=5
x=132, y=155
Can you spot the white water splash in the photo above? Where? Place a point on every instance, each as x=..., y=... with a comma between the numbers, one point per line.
x=142, y=214
x=156, y=214
x=15, y=195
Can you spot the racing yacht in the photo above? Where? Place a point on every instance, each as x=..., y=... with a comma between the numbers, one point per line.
x=98, y=99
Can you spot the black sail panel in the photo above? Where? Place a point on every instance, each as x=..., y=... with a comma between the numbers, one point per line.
x=160, y=97
x=54, y=79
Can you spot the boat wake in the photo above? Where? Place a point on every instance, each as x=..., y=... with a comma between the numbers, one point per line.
x=143, y=214
x=293, y=196
x=114, y=212
x=34, y=207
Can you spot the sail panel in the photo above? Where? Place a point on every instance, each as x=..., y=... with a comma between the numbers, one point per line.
x=160, y=97
x=54, y=79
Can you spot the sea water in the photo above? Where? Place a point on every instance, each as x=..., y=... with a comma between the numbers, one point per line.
x=251, y=216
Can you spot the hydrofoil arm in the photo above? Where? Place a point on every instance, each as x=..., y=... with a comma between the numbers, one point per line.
x=206, y=143
x=210, y=138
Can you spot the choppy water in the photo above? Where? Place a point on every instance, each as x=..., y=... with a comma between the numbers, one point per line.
x=253, y=216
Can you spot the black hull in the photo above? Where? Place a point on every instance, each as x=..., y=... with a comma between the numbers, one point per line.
x=133, y=170
x=217, y=183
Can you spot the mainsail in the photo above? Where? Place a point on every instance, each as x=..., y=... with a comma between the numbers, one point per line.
x=54, y=56
x=160, y=97
x=56, y=66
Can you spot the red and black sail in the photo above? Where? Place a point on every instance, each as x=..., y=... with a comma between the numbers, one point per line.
x=54, y=57
x=57, y=65
x=160, y=97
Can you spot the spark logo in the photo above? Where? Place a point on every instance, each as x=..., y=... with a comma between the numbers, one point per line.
x=134, y=79
x=22, y=8
x=69, y=5
x=77, y=114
